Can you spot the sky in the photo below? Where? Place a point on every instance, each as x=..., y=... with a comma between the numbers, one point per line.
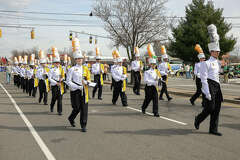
x=16, y=38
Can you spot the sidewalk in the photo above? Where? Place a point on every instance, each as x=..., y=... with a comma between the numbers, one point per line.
x=186, y=87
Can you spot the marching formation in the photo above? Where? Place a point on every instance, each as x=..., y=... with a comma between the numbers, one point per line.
x=47, y=73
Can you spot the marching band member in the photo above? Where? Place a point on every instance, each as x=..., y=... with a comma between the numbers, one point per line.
x=35, y=77
x=197, y=67
x=151, y=78
x=114, y=54
x=23, y=74
x=56, y=77
x=15, y=71
x=136, y=67
x=65, y=67
x=19, y=84
x=164, y=69
x=98, y=70
x=78, y=78
x=27, y=68
x=119, y=74
x=42, y=75
x=211, y=89
x=29, y=73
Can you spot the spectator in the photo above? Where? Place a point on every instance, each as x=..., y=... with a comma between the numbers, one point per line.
x=187, y=70
x=8, y=73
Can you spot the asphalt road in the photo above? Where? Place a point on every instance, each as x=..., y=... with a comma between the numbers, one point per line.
x=115, y=132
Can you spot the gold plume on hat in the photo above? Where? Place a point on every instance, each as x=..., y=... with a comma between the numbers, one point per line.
x=163, y=50
x=198, y=48
x=150, y=50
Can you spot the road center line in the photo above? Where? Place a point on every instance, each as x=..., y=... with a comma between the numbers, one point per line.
x=34, y=133
x=162, y=117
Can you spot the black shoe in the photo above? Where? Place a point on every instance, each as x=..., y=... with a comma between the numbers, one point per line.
x=134, y=92
x=215, y=133
x=170, y=98
x=45, y=104
x=196, y=125
x=125, y=105
x=143, y=111
x=192, y=102
x=84, y=130
x=138, y=94
x=114, y=103
x=160, y=98
x=51, y=110
x=100, y=98
x=71, y=122
x=59, y=114
x=156, y=115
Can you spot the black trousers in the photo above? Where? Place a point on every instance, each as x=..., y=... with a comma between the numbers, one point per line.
x=113, y=83
x=117, y=89
x=97, y=79
x=23, y=84
x=137, y=82
x=56, y=96
x=26, y=85
x=18, y=81
x=15, y=80
x=199, y=91
x=65, y=85
x=30, y=86
x=104, y=76
x=42, y=91
x=151, y=94
x=34, y=91
x=79, y=105
x=212, y=107
x=164, y=87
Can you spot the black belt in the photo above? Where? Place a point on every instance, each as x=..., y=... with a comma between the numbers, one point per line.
x=76, y=83
x=214, y=83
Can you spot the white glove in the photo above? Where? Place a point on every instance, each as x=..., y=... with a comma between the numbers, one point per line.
x=208, y=96
x=124, y=77
x=81, y=88
x=84, y=82
x=198, y=75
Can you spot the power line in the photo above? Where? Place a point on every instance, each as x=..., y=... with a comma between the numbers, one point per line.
x=88, y=14
x=36, y=18
x=49, y=25
x=10, y=26
x=46, y=13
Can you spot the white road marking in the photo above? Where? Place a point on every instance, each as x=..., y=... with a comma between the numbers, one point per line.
x=162, y=117
x=34, y=133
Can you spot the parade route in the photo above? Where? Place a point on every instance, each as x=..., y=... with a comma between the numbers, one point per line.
x=113, y=132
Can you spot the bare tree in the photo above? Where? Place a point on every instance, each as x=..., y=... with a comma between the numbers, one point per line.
x=133, y=23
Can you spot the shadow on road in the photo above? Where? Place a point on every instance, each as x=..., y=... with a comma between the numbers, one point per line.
x=113, y=114
x=26, y=113
x=230, y=125
x=159, y=132
x=41, y=128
